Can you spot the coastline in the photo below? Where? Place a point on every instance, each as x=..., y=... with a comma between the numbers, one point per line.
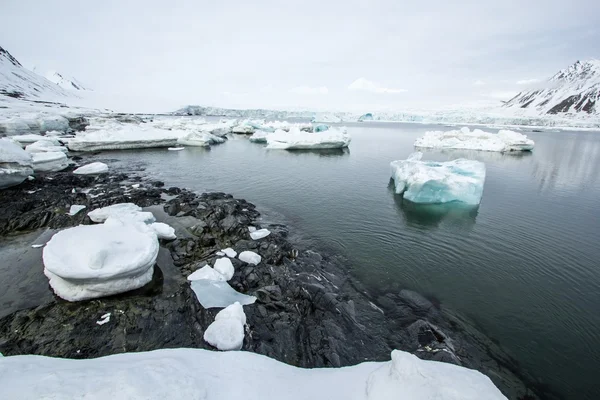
x=310, y=312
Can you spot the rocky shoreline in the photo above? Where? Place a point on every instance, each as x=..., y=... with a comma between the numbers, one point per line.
x=309, y=311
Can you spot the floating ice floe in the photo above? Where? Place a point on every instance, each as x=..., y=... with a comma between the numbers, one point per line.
x=50, y=161
x=217, y=294
x=476, y=139
x=250, y=257
x=125, y=136
x=259, y=137
x=94, y=168
x=259, y=234
x=227, y=331
x=90, y=261
x=225, y=268
x=15, y=163
x=163, y=231
x=229, y=252
x=48, y=144
x=438, y=182
x=206, y=273
x=134, y=375
x=200, y=139
x=75, y=208
x=297, y=140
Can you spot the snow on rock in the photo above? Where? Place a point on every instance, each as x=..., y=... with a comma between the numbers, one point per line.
x=250, y=257
x=49, y=162
x=432, y=182
x=75, y=208
x=15, y=163
x=94, y=168
x=259, y=234
x=476, y=139
x=227, y=331
x=206, y=273
x=217, y=294
x=90, y=261
x=297, y=140
x=224, y=266
x=200, y=139
x=46, y=145
x=257, y=377
x=163, y=231
x=123, y=211
x=229, y=252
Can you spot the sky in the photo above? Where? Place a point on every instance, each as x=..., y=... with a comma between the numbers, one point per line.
x=331, y=55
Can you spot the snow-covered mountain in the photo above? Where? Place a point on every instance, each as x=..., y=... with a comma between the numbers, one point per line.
x=574, y=90
x=65, y=82
x=20, y=83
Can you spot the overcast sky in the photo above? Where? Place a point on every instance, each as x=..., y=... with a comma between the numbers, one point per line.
x=304, y=54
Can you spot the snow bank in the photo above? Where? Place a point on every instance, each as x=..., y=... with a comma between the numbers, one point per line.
x=250, y=257
x=438, y=182
x=15, y=163
x=92, y=169
x=297, y=140
x=90, y=261
x=477, y=139
x=259, y=137
x=236, y=375
x=50, y=161
x=227, y=331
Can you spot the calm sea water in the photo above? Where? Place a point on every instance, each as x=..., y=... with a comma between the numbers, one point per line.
x=524, y=265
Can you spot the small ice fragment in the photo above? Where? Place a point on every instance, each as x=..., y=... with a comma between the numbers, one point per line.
x=30, y=178
x=75, y=208
x=73, y=191
x=220, y=253
x=217, y=294
x=251, y=229
x=175, y=148
x=225, y=268
x=229, y=252
x=259, y=234
x=206, y=273
x=227, y=331
x=250, y=257
x=163, y=231
x=135, y=185
x=94, y=168
x=104, y=319
x=37, y=246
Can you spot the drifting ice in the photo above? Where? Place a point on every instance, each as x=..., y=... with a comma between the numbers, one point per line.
x=298, y=140
x=477, y=139
x=438, y=182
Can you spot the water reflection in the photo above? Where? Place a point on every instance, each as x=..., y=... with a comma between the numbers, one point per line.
x=432, y=215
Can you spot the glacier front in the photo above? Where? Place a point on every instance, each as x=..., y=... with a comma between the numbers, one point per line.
x=465, y=139
x=431, y=182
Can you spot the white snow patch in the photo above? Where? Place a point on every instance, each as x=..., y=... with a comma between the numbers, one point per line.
x=438, y=182
x=250, y=257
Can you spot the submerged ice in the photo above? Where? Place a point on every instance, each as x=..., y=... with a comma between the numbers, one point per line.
x=433, y=182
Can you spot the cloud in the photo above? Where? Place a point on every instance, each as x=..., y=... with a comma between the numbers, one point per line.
x=310, y=90
x=370, y=86
x=479, y=82
x=527, y=81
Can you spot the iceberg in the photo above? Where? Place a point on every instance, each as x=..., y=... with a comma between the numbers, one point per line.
x=218, y=294
x=432, y=182
x=15, y=163
x=503, y=141
x=250, y=257
x=238, y=375
x=227, y=331
x=297, y=140
x=91, y=261
x=126, y=136
x=94, y=168
x=259, y=137
x=200, y=139
x=50, y=161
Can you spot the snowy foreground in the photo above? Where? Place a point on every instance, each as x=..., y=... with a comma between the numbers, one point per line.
x=202, y=374
x=465, y=139
x=431, y=182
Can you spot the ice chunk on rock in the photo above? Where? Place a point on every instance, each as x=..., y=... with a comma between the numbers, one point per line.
x=206, y=273
x=259, y=234
x=225, y=268
x=438, y=182
x=94, y=168
x=75, y=208
x=163, y=231
x=217, y=294
x=15, y=163
x=477, y=139
x=90, y=261
x=250, y=257
x=227, y=331
x=46, y=145
x=123, y=211
x=229, y=252
x=49, y=162
x=298, y=140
